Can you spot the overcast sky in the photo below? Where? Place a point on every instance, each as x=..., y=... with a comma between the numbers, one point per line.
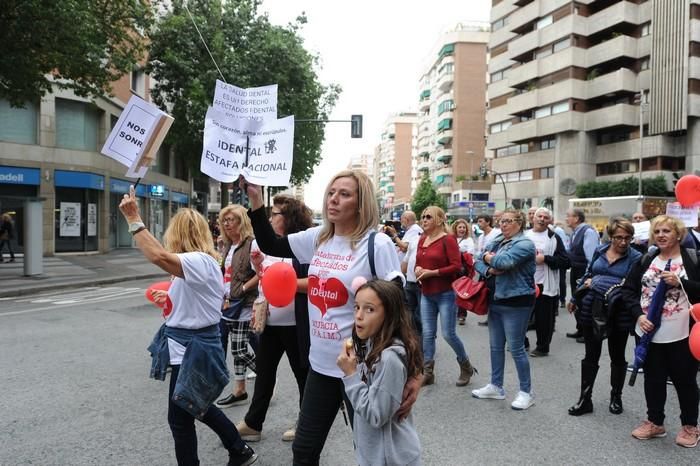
x=376, y=51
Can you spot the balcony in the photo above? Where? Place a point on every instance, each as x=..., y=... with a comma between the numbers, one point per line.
x=445, y=171
x=563, y=59
x=424, y=166
x=622, y=12
x=621, y=46
x=445, y=137
x=566, y=121
x=567, y=89
x=547, y=35
x=616, y=115
x=620, y=80
x=445, y=81
x=444, y=189
x=444, y=155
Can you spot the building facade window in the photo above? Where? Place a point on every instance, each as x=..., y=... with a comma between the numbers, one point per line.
x=646, y=29
x=499, y=23
x=499, y=75
x=18, y=124
x=644, y=64
x=548, y=143
x=546, y=172
x=447, y=68
x=614, y=168
x=552, y=109
x=512, y=150
x=76, y=125
x=447, y=49
x=544, y=22
x=446, y=106
x=500, y=126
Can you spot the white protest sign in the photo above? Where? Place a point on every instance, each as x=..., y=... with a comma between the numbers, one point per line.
x=268, y=145
x=641, y=230
x=689, y=216
x=137, y=136
x=270, y=164
x=258, y=103
x=224, y=148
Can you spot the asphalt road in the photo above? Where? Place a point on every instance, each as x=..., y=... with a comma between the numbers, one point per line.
x=75, y=391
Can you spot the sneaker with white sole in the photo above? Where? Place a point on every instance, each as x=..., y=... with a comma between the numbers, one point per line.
x=289, y=434
x=247, y=433
x=489, y=392
x=688, y=436
x=522, y=401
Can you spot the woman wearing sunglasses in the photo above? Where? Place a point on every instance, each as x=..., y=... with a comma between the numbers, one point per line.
x=437, y=263
x=509, y=267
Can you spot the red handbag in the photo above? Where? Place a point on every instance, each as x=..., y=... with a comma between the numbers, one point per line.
x=471, y=295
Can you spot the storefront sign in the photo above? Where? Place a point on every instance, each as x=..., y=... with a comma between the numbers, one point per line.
x=67, y=179
x=92, y=219
x=258, y=103
x=70, y=219
x=137, y=136
x=179, y=198
x=18, y=175
x=157, y=190
x=267, y=146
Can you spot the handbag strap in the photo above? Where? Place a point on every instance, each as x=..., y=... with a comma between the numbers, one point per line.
x=370, y=253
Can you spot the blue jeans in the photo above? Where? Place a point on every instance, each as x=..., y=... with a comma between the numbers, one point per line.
x=509, y=324
x=443, y=304
x=183, y=429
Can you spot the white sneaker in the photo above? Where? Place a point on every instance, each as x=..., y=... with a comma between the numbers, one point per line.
x=523, y=401
x=251, y=375
x=490, y=391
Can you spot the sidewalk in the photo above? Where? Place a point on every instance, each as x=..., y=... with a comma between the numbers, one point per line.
x=75, y=271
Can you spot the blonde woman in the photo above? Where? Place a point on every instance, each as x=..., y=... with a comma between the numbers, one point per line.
x=462, y=232
x=241, y=289
x=337, y=254
x=437, y=264
x=189, y=340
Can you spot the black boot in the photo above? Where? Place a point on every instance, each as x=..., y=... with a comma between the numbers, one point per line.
x=617, y=381
x=584, y=404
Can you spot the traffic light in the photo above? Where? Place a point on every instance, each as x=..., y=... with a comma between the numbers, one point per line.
x=356, y=126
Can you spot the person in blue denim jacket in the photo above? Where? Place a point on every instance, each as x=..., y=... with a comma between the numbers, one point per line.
x=189, y=341
x=508, y=264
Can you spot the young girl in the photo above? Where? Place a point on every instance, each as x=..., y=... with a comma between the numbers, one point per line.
x=383, y=353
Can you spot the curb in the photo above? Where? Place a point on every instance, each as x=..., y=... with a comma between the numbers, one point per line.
x=78, y=284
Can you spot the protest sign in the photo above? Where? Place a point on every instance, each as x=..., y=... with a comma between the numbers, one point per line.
x=70, y=219
x=641, y=230
x=268, y=147
x=137, y=136
x=258, y=103
x=689, y=216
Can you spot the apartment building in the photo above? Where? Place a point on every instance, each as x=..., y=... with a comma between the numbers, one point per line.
x=393, y=164
x=363, y=163
x=565, y=80
x=50, y=150
x=451, y=123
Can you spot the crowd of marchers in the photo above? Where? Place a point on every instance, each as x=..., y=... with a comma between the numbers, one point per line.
x=379, y=294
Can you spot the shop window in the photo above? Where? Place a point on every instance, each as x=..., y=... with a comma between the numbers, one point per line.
x=77, y=225
x=76, y=125
x=18, y=124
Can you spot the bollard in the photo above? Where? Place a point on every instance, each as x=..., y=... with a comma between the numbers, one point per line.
x=33, y=237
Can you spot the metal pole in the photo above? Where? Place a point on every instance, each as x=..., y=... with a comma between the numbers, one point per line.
x=641, y=140
x=470, y=153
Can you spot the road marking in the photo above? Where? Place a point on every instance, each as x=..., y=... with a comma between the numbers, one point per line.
x=108, y=297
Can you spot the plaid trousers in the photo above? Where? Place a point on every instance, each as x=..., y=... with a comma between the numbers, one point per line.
x=239, y=333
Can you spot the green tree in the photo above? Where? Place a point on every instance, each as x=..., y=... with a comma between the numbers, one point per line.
x=82, y=45
x=250, y=52
x=626, y=187
x=425, y=196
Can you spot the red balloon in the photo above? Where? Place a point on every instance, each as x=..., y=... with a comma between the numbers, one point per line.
x=167, y=305
x=279, y=284
x=688, y=190
x=695, y=312
x=694, y=341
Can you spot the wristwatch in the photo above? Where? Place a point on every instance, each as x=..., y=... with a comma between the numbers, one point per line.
x=136, y=227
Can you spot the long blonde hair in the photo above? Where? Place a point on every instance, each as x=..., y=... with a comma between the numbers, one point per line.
x=461, y=221
x=439, y=216
x=368, y=211
x=188, y=231
x=245, y=228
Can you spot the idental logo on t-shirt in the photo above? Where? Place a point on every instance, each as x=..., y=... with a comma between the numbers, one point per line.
x=326, y=294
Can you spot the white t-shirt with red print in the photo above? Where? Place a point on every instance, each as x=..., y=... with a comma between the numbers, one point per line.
x=675, y=316
x=332, y=267
x=227, y=269
x=279, y=316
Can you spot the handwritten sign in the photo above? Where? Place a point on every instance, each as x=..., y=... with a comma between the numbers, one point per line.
x=137, y=136
x=641, y=230
x=258, y=103
x=70, y=219
x=267, y=146
x=689, y=216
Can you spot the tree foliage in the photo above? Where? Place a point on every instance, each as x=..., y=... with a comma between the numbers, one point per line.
x=84, y=44
x=627, y=187
x=250, y=52
x=426, y=195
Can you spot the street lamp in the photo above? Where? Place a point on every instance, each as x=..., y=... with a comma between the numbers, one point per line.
x=641, y=99
x=483, y=171
x=470, y=154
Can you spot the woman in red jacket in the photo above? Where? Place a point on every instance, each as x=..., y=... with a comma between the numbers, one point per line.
x=437, y=263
